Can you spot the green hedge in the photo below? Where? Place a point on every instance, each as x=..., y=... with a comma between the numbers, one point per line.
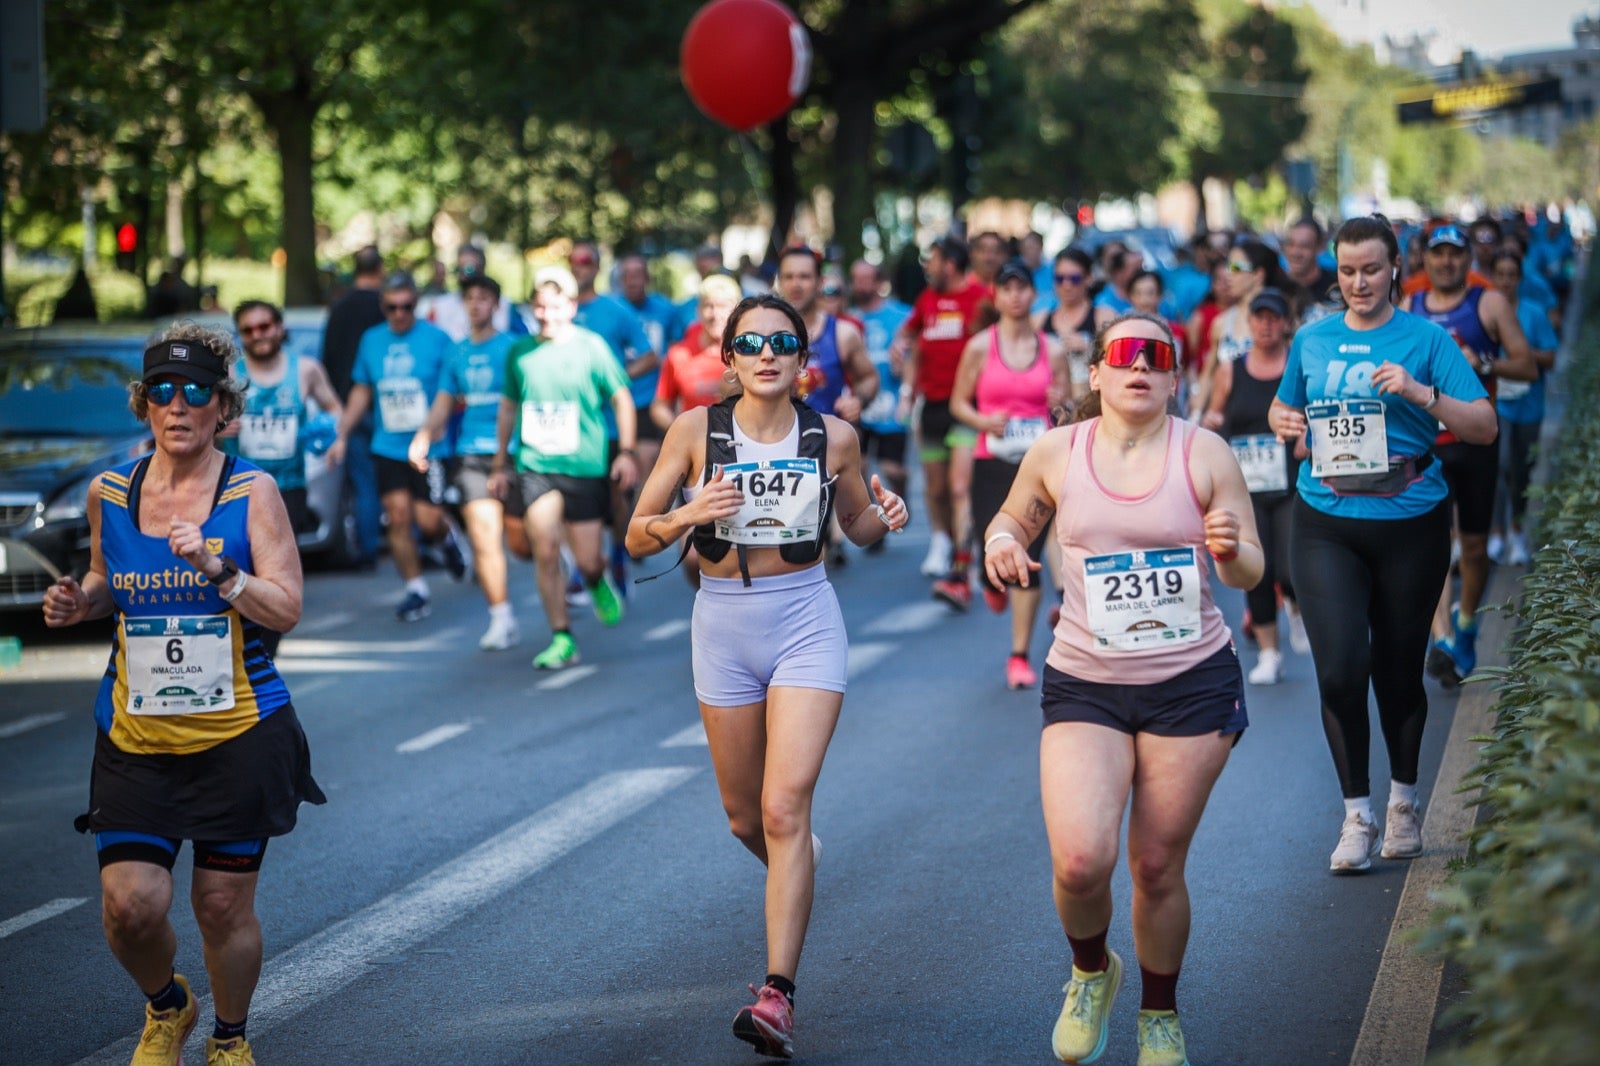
x=1521, y=916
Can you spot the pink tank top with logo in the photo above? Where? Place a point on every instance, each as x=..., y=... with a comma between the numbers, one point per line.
x=1020, y=395
x=1140, y=558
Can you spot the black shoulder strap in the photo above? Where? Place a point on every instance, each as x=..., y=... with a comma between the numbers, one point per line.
x=135, y=488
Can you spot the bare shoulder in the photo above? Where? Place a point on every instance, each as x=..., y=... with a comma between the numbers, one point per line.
x=841, y=434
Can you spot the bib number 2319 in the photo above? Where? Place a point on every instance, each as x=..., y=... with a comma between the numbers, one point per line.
x=1142, y=599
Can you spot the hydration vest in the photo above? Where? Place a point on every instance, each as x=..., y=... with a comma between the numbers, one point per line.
x=721, y=451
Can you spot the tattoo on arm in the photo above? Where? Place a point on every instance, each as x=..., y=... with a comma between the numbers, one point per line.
x=652, y=527
x=1036, y=516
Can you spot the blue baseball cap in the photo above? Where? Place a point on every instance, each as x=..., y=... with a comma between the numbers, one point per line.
x=1450, y=235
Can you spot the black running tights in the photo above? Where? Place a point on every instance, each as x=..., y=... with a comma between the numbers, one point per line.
x=1367, y=589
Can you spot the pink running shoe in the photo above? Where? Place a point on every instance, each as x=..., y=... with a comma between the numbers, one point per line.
x=768, y=1024
x=1019, y=674
x=993, y=598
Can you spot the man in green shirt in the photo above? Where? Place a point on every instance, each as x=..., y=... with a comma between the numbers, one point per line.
x=557, y=386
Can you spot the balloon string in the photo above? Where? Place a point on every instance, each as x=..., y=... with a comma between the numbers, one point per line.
x=754, y=166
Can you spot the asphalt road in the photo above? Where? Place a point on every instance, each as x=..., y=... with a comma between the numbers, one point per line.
x=516, y=867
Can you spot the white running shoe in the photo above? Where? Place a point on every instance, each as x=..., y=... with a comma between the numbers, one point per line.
x=1518, y=553
x=1268, y=669
x=1497, y=548
x=816, y=851
x=1297, y=630
x=1357, y=839
x=501, y=634
x=937, y=562
x=1402, y=836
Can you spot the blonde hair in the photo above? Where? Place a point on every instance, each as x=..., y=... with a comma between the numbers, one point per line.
x=716, y=285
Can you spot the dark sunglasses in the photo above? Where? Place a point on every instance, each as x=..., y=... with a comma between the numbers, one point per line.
x=408, y=308
x=1069, y=279
x=162, y=393
x=251, y=331
x=1158, y=355
x=783, y=343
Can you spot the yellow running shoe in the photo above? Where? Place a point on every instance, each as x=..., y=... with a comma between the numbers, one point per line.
x=161, y=1043
x=1161, y=1039
x=1080, y=1033
x=233, y=1052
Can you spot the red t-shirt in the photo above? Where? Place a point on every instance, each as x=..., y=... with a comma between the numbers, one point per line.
x=691, y=375
x=941, y=322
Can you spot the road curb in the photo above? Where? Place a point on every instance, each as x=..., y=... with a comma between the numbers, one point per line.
x=1398, y=1022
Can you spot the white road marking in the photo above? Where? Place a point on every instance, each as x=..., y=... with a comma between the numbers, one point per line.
x=432, y=738
x=310, y=688
x=39, y=914
x=910, y=618
x=326, y=962
x=444, y=641
x=570, y=676
x=667, y=630
x=33, y=721
x=694, y=736
x=324, y=623
x=864, y=655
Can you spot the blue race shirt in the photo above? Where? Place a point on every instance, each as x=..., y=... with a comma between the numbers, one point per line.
x=1330, y=361
x=659, y=319
x=475, y=374
x=403, y=372
x=878, y=329
x=272, y=426
x=1528, y=408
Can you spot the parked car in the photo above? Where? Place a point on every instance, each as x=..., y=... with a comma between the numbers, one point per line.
x=1157, y=245
x=64, y=419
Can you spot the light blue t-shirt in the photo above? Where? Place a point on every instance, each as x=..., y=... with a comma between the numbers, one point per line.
x=475, y=374
x=624, y=334
x=402, y=369
x=1330, y=361
x=1529, y=407
x=878, y=330
x=659, y=319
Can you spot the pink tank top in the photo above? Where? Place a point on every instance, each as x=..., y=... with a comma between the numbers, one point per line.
x=1138, y=565
x=1020, y=395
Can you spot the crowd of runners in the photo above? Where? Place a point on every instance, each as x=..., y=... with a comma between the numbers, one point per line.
x=1341, y=425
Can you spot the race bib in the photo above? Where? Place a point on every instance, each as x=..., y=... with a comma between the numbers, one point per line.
x=268, y=436
x=1510, y=389
x=1347, y=437
x=1019, y=436
x=179, y=665
x=1142, y=599
x=402, y=404
x=550, y=428
x=882, y=408
x=1261, y=458
x=782, y=502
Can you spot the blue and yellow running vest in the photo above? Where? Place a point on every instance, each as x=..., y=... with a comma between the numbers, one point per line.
x=178, y=642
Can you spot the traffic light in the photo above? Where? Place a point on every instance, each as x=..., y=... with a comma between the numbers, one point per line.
x=128, y=247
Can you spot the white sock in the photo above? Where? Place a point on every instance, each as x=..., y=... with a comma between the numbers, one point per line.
x=419, y=585
x=1361, y=805
x=501, y=612
x=1399, y=793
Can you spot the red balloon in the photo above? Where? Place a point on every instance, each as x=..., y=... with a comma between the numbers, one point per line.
x=745, y=62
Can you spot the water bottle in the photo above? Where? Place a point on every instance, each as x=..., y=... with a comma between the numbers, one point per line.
x=10, y=653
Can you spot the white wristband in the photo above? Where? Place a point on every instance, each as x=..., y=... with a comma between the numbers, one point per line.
x=1002, y=535
x=238, y=587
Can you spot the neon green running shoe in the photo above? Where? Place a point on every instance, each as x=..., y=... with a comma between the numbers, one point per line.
x=562, y=653
x=1080, y=1033
x=608, y=605
x=1161, y=1039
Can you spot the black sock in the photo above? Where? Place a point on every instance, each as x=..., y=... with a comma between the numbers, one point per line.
x=782, y=984
x=228, y=1030
x=1089, y=952
x=170, y=998
x=562, y=632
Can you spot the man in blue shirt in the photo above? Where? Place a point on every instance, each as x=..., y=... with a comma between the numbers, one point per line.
x=396, y=376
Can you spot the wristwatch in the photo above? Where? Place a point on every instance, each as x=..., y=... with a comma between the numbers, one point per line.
x=1433, y=398
x=229, y=571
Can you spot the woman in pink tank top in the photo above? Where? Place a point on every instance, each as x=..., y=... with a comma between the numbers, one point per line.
x=1009, y=377
x=1142, y=682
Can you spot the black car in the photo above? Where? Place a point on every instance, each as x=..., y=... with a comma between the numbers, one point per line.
x=64, y=418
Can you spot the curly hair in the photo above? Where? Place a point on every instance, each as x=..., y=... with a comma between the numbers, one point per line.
x=229, y=391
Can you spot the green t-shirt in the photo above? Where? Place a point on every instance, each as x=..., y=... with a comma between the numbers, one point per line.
x=562, y=390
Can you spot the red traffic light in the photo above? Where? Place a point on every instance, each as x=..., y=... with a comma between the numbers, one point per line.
x=1086, y=214
x=127, y=238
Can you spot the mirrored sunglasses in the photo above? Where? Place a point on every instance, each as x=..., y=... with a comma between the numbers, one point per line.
x=783, y=343
x=1158, y=355
x=194, y=394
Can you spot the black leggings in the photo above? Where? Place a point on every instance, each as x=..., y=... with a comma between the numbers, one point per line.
x=1274, y=513
x=1367, y=590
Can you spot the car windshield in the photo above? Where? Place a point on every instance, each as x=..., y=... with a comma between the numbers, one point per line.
x=67, y=390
